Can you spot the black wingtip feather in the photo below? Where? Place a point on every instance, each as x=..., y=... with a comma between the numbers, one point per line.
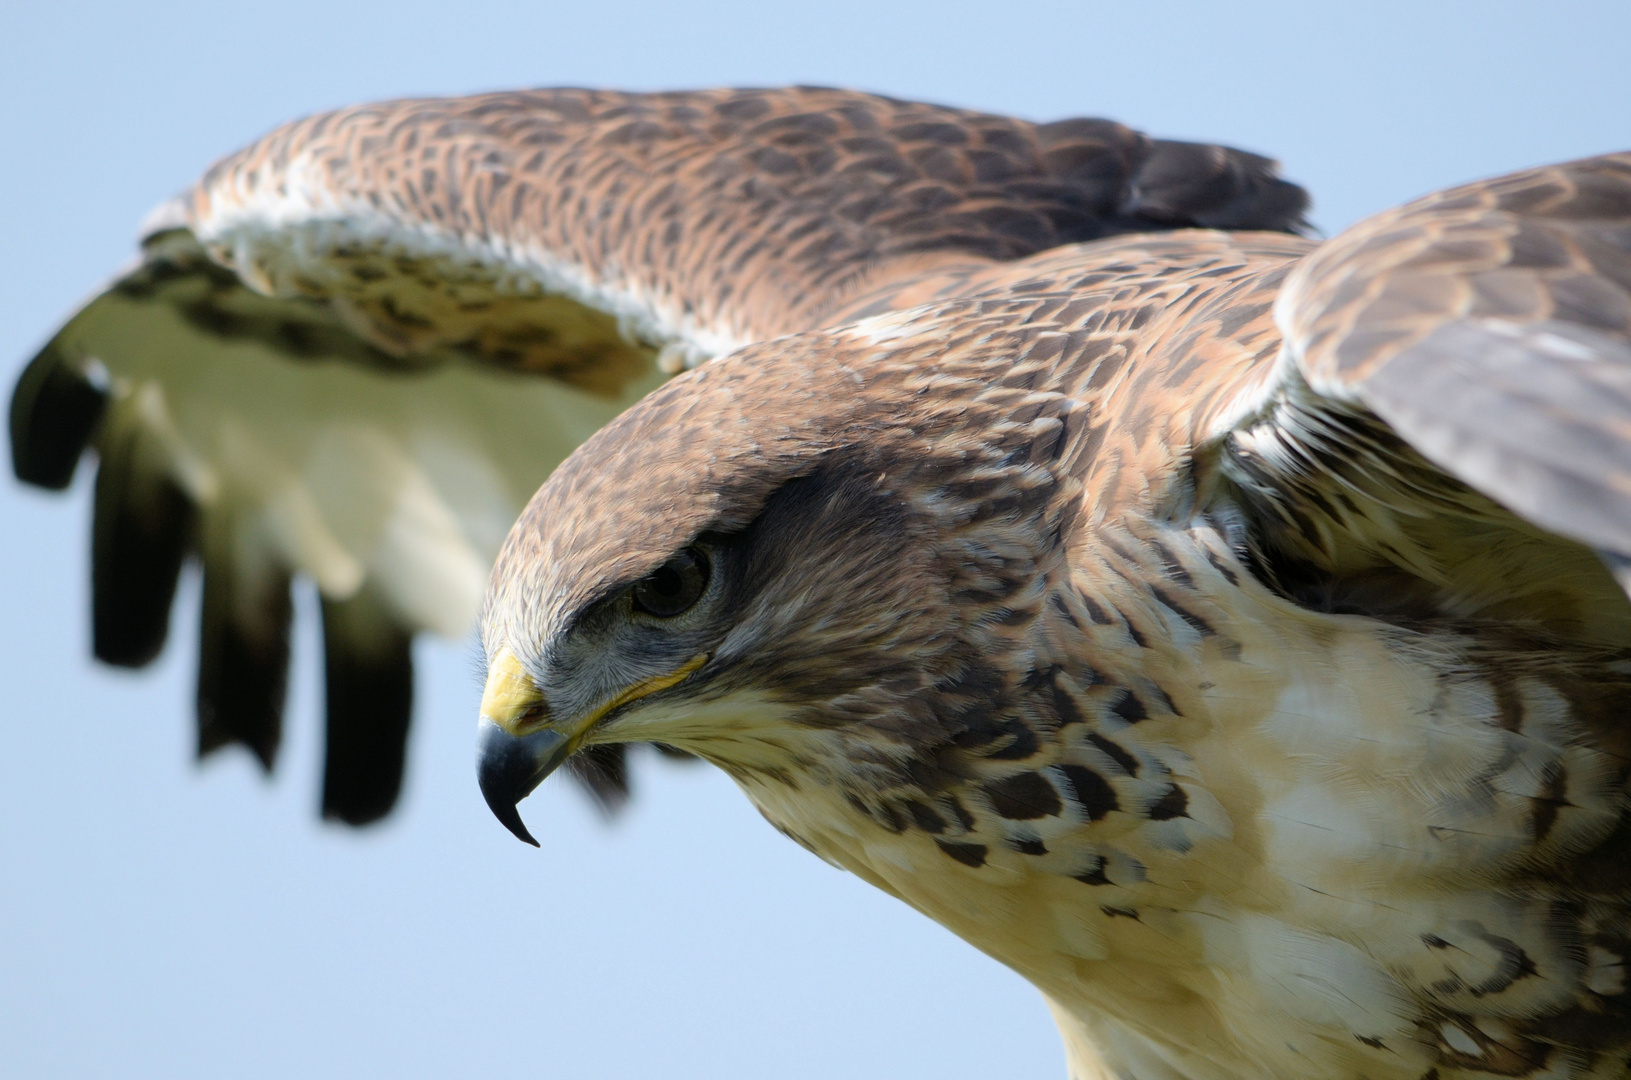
x=243, y=664
x=142, y=531
x=1215, y=187
x=368, y=665
x=604, y=773
x=54, y=411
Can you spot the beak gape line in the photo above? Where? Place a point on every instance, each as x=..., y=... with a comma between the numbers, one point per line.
x=512, y=761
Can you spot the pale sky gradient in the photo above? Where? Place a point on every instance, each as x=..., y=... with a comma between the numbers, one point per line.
x=160, y=919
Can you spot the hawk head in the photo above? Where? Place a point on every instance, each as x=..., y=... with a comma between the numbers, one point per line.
x=788, y=561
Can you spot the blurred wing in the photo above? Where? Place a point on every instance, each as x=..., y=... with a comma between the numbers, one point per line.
x=264, y=436
x=1480, y=339
x=357, y=347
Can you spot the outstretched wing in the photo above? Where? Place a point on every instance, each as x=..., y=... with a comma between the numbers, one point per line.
x=354, y=350
x=1455, y=400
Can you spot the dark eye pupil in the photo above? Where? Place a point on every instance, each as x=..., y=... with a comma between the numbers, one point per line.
x=674, y=587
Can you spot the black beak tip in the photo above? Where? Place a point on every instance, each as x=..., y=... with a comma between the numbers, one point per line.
x=510, y=818
x=509, y=767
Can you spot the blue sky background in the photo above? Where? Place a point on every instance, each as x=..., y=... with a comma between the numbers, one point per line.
x=161, y=919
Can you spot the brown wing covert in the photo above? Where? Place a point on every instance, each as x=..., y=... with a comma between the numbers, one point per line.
x=1490, y=326
x=353, y=351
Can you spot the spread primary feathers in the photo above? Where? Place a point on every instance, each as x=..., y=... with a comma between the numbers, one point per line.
x=356, y=347
x=1218, y=628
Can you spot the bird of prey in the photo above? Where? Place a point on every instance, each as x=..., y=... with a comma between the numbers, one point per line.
x=1225, y=631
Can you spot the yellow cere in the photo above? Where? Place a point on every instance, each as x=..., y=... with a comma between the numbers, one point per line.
x=510, y=698
x=511, y=701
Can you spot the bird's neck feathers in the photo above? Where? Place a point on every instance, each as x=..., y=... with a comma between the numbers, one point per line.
x=1002, y=795
x=1186, y=809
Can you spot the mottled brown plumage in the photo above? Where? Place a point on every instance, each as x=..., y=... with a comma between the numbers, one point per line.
x=1066, y=610
x=466, y=289
x=715, y=217
x=1218, y=628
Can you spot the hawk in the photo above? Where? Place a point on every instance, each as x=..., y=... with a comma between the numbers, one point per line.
x=1225, y=631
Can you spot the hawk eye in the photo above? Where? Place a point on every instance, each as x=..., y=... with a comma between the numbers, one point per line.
x=674, y=587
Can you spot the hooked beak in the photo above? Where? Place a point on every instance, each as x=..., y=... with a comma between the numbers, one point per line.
x=517, y=745
x=520, y=743
x=509, y=767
